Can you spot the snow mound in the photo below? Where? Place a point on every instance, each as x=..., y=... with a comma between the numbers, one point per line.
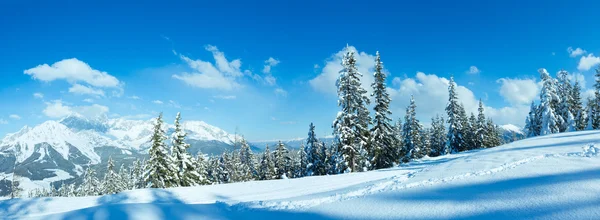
x=590, y=150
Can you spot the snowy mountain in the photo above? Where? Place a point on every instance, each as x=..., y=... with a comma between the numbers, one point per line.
x=511, y=133
x=69, y=145
x=549, y=177
x=294, y=143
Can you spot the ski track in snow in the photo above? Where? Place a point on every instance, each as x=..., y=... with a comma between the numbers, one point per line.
x=396, y=183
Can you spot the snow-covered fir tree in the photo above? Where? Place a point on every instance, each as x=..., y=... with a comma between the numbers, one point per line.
x=266, y=168
x=590, y=119
x=201, y=165
x=126, y=178
x=247, y=159
x=531, y=122
x=455, y=127
x=223, y=169
x=481, y=128
x=351, y=124
x=412, y=133
x=160, y=169
x=91, y=184
x=302, y=162
x=112, y=182
x=312, y=152
x=438, y=136
x=186, y=174
x=576, y=107
x=137, y=174
x=595, y=105
x=471, y=133
x=282, y=161
x=564, y=91
x=321, y=162
x=383, y=142
x=550, y=121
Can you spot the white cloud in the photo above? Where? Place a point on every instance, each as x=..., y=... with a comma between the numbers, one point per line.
x=577, y=77
x=280, y=92
x=325, y=82
x=208, y=76
x=431, y=95
x=38, y=95
x=84, y=90
x=224, y=97
x=3, y=122
x=58, y=109
x=271, y=62
x=316, y=66
x=89, y=100
x=174, y=104
x=158, y=102
x=138, y=116
x=270, y=80
x=134, y=97
x=72, y=70
x=15, y=117
x=473, y=70
x=587, y=62
x=576, y=52
x=518, y=91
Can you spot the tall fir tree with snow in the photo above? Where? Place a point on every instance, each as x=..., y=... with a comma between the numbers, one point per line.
x=564, y=91
x=112, y=182
x=550, y=121
x=480, y=127
x=223, y=169
x=590, y=119
x=532, y=122
x=494, y=137
x=471, y=133
x=412, y=133
x=247, y=158
x=282, y=161
x=383, y=148
x=185, y=174
x=576, y=107
x=91, y=184
x=126, y=178
x=137, y=174
x=455, y=136
x=438, y=136
x=351, y=125
x=201, y=165
x=302, y=162
x=595, y=105
x=160, y=169
x=399, y=145
x=463, y=119
x=320, y=163
x=266, y=168
x=312, y=151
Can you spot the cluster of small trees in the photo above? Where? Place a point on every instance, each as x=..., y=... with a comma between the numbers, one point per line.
x=561, y=108
x=382, y=145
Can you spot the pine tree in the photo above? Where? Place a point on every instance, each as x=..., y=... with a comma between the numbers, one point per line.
x=185, y=172
x=312, y=152
x=303, y=164
x=223, y=171
x=576, y=107
x=282, y=161
x=564, y=90
x=160, y=169
x=595, y=105
x=91, y=184
x=321, y=162
x=247, y=159
x=399, y=145
x=126, y=178
x=494, y=138
x=590, y=119
x=137, y=173
x=438, y=136
x=267, y=166
x=480, y=127
x=550, y=121
x=471, y=133
x=202, y=169
x=412, y=133
x=15, y=186
x=383, y=150
x=112, y=181
x=531, y=125
x=351, y=124
x=454, y=137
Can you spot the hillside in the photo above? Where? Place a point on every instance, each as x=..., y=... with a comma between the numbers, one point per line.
x=549, y=177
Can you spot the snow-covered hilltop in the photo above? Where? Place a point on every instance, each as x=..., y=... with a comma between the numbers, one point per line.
x=549, y=177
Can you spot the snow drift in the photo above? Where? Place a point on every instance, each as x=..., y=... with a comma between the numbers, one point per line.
x=549, y=177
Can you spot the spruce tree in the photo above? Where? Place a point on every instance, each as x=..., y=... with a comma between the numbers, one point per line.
x=247, y=158
x=412, y=133
x=267, y=167
x=201, y=165
x=185, y=174
x=160, y=169
x=595, y=105
x=91, y=184
x=321, y=161
x=312, y=152
x=480, y=127
x=438, y=136
x=282, y=161
x=531, y=126
x=471, y=133
x=112, y=182
x=454, y=137
x=383, y=149
x=591, y=113
x=576, y=107
x=564, y=90
x=550, y=121
x=351, y=124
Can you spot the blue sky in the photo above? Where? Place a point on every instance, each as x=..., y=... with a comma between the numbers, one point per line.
x=207, y=59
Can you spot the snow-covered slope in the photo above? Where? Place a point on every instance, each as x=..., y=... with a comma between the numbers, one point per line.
x=550, y=177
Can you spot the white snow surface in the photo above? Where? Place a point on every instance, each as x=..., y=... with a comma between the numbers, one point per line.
x=549, y=177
